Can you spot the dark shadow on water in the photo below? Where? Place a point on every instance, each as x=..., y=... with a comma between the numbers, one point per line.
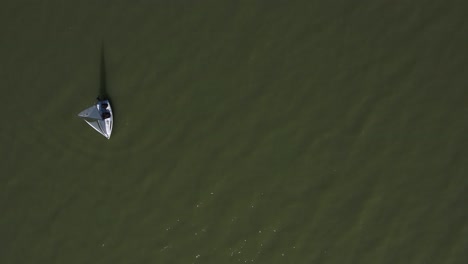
x=103, y=94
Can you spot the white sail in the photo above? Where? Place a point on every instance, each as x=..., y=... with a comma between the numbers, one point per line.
x=90, y=112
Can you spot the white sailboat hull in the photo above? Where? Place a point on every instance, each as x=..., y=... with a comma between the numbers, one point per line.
x=100, y=117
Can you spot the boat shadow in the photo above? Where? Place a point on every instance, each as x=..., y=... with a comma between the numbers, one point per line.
x=103, y=94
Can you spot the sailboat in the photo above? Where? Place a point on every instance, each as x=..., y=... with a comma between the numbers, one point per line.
x=100, y=117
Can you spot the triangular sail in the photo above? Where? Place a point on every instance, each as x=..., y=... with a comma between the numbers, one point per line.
x=91, y=112
x=98, y=125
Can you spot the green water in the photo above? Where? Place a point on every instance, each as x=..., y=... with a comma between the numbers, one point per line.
x=245, y=132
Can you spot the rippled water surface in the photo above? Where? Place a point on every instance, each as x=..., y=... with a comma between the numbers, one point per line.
x=245, y=132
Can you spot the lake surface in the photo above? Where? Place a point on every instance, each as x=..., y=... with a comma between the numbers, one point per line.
x=244, y=132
